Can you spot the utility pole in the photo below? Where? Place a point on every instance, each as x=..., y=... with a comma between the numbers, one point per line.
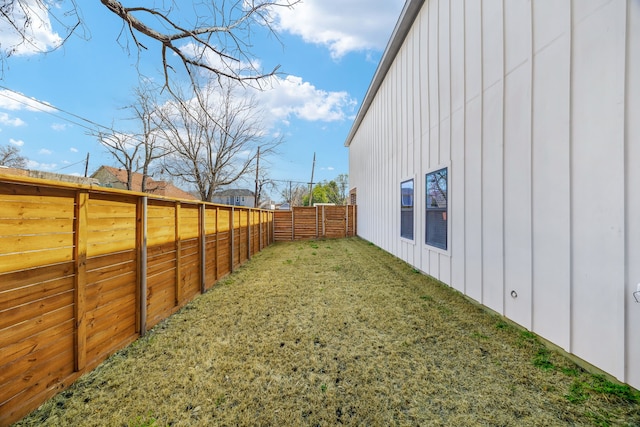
x=311, y=183
x=255, y=199
x=86, y=166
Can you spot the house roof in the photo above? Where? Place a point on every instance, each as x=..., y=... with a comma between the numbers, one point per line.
x=407, y=17
x=158, y=188
x=233, y=192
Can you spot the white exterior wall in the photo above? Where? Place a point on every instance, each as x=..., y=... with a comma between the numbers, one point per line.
x=535, y=107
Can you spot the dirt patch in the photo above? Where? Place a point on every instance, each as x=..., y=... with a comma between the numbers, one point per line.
x=337, y=332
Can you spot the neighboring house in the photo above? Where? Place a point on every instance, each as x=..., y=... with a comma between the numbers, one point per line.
x=108, y=176
x=235, y=197
x=515, y=124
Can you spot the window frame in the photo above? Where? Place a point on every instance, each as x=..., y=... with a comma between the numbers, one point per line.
x=447, y=211
x=413, y=209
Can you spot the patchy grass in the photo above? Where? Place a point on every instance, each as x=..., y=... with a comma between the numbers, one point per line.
x=337, y=332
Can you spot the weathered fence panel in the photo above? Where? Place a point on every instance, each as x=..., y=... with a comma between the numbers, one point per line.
x=84, y=271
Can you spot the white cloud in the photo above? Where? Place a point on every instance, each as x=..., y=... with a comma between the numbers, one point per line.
x=73, y=150
x=342, y=26
x=45, y=152
x=59, y=127
x=7, y=120
x=17, y=142
x=32, y=18
x=33, y=165
x=15, y=101
x=294, y=97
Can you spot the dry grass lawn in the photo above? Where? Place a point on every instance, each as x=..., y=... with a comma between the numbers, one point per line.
x=337, y=332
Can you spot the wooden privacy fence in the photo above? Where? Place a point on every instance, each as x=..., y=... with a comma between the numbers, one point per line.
x=315, y=222
x=84, y=271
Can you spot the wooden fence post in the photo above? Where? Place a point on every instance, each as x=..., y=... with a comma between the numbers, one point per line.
x=141, y=242
x=231, y=236
x=249, y=214
x=346, y=221
x=80, y=283
x=203, y=246
x=178, y=245
x=215, y=273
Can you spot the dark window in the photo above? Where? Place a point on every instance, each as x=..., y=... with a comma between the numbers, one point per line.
x=436, y=209
x=406, y=209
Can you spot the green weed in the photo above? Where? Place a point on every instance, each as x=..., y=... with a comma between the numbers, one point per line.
x=220, y=400
x=502, y=325
x=571, y=372
x=577, y=393
x=140, y=421
x=599, y=420
x=579, y=390
x=541, y=360
x=528, y=336
x=620, y=391
x=478, y=335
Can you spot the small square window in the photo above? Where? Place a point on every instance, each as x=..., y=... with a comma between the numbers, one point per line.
x=436, y=226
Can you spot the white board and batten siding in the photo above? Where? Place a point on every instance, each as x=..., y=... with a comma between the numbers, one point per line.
x=534, y=106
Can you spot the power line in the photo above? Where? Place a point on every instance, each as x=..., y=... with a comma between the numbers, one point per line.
x=21, y=100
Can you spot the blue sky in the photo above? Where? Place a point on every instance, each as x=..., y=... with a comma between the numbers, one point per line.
x=328, y=52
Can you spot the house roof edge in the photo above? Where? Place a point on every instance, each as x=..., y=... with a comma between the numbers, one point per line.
x=402, y=28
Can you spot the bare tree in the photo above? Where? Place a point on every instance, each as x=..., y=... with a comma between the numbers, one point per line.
x=123, y=148
x=213, y=138
x=294, y=194
x=10, y=157
x=212, y=35
x=264, y=185
x=136, y=151
x=145, y=112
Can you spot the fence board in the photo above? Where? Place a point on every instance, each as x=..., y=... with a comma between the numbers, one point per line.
x=48, y=370
x=28, y=209
x=21, y=368
x=26, y=347
x=38, y=291
x=34, y=325
x=25, y=312
x=110, y=260
x=18, y=279
x=24, y=226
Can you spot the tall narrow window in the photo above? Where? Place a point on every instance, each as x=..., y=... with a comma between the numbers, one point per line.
x=406, y=209
x=436, y=209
